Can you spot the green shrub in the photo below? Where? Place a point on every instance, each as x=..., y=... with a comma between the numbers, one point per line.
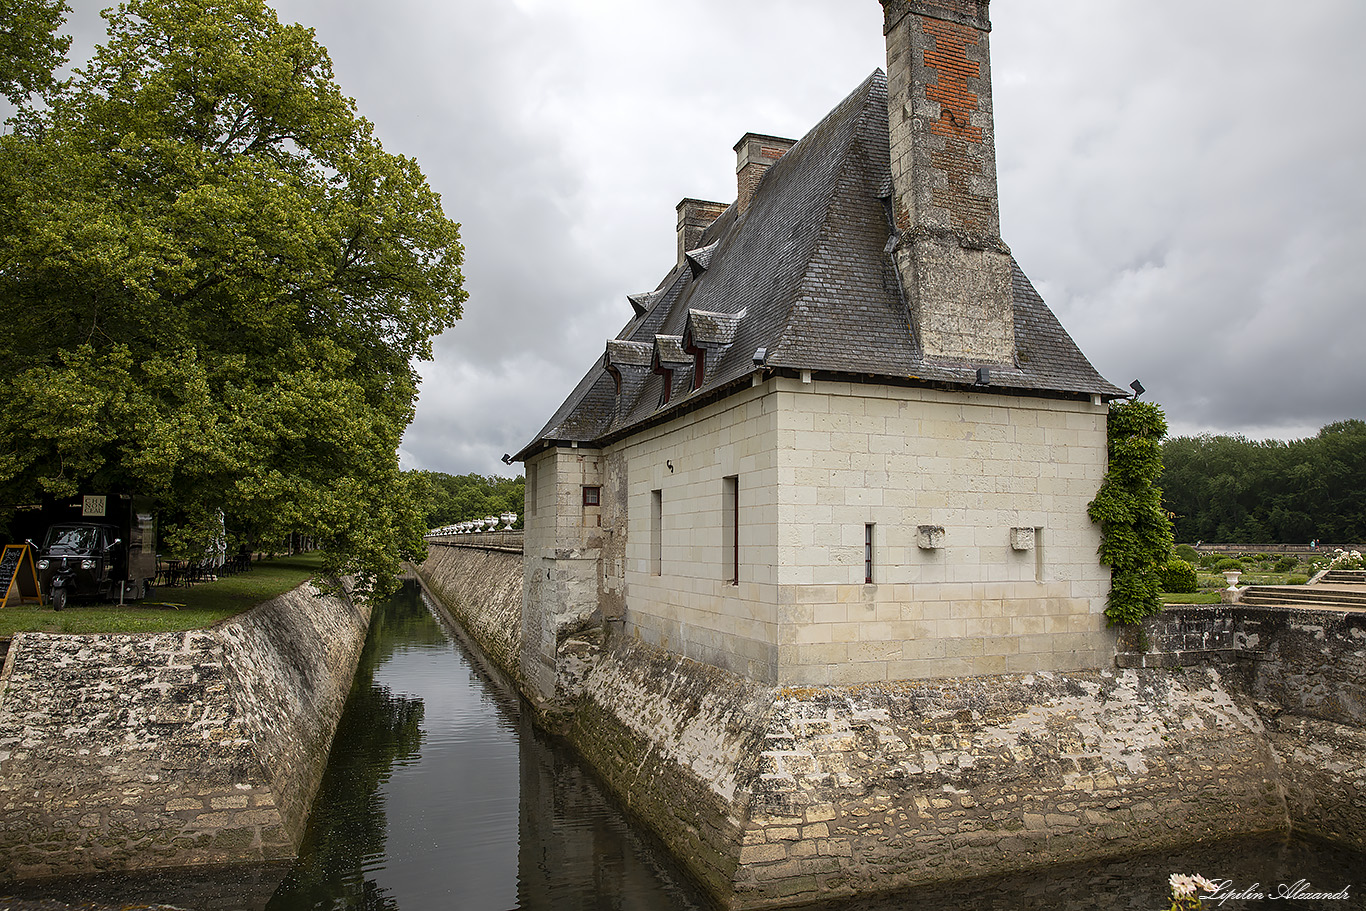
x=1136, y=533
x=1178, y=577
x=1228, y=563
x=1297, y=580
x=1207, y=561
x=1187, y=553
x=1286, y=564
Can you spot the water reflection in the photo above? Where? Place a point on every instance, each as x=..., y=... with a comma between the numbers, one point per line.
x=440, y=793
x=1140, y=883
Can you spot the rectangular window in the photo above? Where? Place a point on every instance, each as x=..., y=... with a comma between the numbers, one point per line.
x=1038, y=554
x=656, y=532
x=868, y=554
x=592, y=496
x=730, y=529
x=530, y=489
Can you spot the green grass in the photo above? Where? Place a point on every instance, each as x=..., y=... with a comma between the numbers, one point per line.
x=169, y=609
x=1196, y=598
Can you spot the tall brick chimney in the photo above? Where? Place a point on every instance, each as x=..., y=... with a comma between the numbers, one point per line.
x=754, y=154
x=953, y=263
x=694, y=217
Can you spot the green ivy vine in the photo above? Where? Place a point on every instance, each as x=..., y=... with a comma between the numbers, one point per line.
x=1136, y=533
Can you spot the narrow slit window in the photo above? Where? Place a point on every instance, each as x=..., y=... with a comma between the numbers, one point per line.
x=656, y=532
x=1038, y=555
x=868, y=554
x=730, y=529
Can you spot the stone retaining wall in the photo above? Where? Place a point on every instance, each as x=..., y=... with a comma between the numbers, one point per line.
x=482, y=589
x=780, y=795
x=198, y=747
x=1305, y=671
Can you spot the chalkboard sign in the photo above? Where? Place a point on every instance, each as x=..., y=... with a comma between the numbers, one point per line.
x=18, y=575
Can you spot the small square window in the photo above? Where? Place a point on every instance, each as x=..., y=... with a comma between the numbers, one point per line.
x=592, y=496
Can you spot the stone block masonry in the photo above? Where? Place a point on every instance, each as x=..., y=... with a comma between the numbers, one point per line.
x=201, y=747
x=777, y=795
x=1305, y=670
x=482, y=590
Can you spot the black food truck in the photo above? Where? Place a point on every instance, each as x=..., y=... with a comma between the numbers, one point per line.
x=100, y=548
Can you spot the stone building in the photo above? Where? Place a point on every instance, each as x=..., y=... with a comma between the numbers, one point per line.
x=843, y=440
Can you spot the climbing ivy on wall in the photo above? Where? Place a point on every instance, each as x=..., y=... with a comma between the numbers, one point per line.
x=1136, y=534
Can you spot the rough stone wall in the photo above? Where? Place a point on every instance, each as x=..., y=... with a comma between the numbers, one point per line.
x=1305, y=671
x=482, y=589
x=288, y=664
x=679, y=743
x=202, y=747
x=778, y=796
x=882, y=787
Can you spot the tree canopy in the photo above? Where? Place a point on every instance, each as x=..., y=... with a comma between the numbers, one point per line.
x=1232, y=490
x=445, y=499
x=215, y=283
x=30, y=48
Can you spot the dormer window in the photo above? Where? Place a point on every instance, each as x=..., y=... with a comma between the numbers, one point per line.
x=668, y=357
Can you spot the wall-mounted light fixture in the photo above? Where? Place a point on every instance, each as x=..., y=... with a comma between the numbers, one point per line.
x=1138, y=389
x=983, y=376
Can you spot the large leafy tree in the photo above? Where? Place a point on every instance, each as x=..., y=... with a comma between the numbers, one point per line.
x=30, y=47
x=215, y=283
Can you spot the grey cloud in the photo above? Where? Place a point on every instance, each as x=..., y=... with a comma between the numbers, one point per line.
x=1181, y=181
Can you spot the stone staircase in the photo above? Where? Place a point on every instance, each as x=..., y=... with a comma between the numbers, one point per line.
x=1329, y=593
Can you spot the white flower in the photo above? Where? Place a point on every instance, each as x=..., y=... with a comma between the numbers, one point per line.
x=1205, y=884
x=1183, y=886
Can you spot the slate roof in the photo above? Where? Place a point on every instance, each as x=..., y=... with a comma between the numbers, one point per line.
x=807, y=274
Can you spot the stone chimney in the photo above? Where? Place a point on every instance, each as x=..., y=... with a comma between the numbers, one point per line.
x=753, y=156
x=953, y=263
x=694, y=217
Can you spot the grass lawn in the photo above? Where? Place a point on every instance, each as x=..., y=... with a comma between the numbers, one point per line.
x=168, y=609
x=1195, y=598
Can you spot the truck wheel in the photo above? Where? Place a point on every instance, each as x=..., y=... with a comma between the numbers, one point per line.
x=58, y=598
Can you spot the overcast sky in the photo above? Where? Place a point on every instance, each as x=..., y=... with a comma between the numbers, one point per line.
x=1181, y=179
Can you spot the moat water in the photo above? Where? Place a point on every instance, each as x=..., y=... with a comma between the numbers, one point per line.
x=440, y=794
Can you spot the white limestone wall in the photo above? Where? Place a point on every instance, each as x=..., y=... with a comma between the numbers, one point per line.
x=690, y=607
x=816, y=462
x=562, y=545
x=976, y=464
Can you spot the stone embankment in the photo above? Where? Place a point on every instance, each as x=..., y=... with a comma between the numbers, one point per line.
x=126, y=752
x=775, y=796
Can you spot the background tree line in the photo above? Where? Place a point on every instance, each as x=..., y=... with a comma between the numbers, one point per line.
x=1232, y=490
x=443, y=499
